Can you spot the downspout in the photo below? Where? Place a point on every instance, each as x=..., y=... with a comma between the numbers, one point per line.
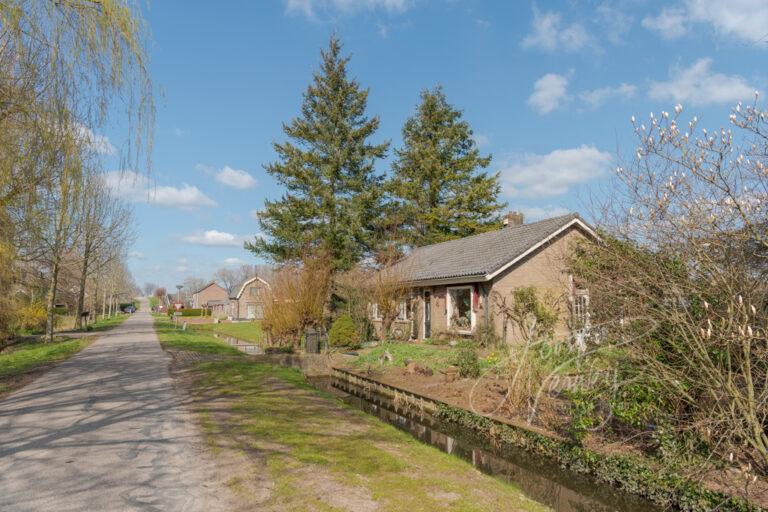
x=486, y=312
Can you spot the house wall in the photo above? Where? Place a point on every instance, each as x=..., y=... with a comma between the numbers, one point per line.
x=212, y=292
x=253, y=294
x=546, y=269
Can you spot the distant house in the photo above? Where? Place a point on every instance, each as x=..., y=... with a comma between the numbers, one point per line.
x=455, y=286
x=209, y=294
x=247, y=299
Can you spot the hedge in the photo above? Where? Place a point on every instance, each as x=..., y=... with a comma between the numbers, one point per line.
x=629, y=473
x=190, y=312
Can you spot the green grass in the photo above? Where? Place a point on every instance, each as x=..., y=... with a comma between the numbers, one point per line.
x=102, y=324
x=433, y=356
x=246, y=331
x=153, y=302
x=28, y=356
x=306, y=438
x=190, y=340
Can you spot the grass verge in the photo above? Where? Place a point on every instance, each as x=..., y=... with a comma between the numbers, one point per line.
x=246, y=331
x=190, y=340
x=19, y=363
x=323, y=455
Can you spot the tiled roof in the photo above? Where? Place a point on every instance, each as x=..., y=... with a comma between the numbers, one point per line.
x=478, y=255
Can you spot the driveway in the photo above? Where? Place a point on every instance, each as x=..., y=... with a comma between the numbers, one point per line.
x=105, y=430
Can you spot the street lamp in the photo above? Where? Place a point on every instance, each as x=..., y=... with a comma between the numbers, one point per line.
x=178, y=294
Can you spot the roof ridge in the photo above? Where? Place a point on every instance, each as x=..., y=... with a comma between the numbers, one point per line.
x=484, y=233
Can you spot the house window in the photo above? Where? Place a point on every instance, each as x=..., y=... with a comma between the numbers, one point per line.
x=460, y=315
x=373, y=311
x=254, y=291
x=402, y=311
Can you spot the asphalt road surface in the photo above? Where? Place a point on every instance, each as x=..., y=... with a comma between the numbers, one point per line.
x=105, y=430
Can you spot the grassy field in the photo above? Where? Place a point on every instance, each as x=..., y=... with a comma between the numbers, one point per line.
x=320, y=454
x=191, y=340
x=102, y=324
x=24, y=358
x=246, y=331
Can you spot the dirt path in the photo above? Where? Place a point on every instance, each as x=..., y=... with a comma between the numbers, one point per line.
x=106, y=430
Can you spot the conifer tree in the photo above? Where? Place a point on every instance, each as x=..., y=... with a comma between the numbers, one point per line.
x=439, y=188
x=333, y=194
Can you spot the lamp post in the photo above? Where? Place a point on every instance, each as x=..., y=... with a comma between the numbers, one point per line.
x=178, y=294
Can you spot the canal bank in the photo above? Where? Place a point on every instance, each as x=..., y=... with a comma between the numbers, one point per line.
x=553, y=471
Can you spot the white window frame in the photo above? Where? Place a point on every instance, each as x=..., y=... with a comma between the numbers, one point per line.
x=449, y=308
x=402, y=311
x=374, y=311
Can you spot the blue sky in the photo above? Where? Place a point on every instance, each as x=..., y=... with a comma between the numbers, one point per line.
x=549, y=88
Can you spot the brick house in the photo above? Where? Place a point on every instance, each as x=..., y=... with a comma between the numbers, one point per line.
x=455, y=286
x=247, y=299
x=205, y=296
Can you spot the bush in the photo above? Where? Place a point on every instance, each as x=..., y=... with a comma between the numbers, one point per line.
x=343, y=332
x=60, y=310
x=468, y=362
x=190, y=312
x=32, y=317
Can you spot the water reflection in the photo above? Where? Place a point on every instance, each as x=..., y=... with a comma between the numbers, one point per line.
x=243, y=346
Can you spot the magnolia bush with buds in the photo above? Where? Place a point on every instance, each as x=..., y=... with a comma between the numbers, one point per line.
x=679, y=286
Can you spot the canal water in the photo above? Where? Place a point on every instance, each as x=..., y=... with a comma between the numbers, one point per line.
x=540, y=478
x=244, y=346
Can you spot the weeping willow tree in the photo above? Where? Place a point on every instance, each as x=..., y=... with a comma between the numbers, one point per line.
x=64, y=64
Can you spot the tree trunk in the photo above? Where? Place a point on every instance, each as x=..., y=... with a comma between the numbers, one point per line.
x=81, y=294
x=51, y=300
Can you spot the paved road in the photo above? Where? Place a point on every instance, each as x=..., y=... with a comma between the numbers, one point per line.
x=105, y=430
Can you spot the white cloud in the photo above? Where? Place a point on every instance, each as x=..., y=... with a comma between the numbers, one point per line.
x=138, y=188
x=180, y=132
x=548, y=33
x=555, y=173
x=215, y=238
x=699, y=85
x=312, y=8
x=136, y=254
x=745, y=20
x=549, y=93
x=235, y=178
x=99, y=144
x=596, y=97
x=542, y=212
x=671, y=23
x=232, y=262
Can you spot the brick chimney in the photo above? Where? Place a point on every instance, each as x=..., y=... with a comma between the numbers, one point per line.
x=513, y=219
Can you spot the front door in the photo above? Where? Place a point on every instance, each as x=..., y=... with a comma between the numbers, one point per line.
x=251, y=314
x=427, y=315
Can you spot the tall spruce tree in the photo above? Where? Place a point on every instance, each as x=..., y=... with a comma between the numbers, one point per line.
x=439, y=188
x=334, y=196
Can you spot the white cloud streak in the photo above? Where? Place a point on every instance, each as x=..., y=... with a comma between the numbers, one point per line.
x=699, y=85
x=213, y=238
x=549, y=33
x=311, y=9
x=138, y=188
x=549, y=93
x=743, y=20
x=554, y=173
x=235, y=178
x=596, y=97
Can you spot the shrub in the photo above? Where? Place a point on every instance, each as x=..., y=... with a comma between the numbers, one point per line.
x=343, y=332
x=60, y=310
x=32, y=317
x=468, y=362
x=190, y=312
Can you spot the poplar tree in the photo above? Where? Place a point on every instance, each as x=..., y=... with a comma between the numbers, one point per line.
x=439, y=188
x=333, y=193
